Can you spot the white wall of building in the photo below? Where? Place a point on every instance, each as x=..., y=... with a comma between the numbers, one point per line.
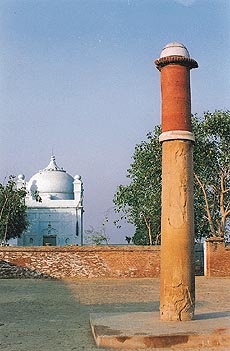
x=58, y=218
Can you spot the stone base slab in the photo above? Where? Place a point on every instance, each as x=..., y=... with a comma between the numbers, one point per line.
x=143, y=330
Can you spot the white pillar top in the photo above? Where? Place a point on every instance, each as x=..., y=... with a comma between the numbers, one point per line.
x=175, y=49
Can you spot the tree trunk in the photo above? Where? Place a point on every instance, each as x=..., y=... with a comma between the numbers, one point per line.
x=207, y=208
x=224, y=211
x=3, y=207
x=6, y=229
x=148, y=225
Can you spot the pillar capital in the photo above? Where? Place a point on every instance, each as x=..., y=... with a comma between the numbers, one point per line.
x=175, y=60
x=174, y=65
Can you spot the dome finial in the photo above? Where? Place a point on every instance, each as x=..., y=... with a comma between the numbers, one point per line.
x=52, y=166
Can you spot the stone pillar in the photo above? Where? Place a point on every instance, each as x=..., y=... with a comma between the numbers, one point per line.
x=78, y=197
x=177, y=279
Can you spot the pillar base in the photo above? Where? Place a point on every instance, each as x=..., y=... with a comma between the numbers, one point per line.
x=143, y=330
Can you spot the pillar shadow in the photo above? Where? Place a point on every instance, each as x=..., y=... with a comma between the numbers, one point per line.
x=212, y=315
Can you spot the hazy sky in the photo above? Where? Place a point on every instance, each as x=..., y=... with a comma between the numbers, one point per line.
x=77, y=77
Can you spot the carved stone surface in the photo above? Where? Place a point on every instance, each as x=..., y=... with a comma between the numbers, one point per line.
x=177, y=263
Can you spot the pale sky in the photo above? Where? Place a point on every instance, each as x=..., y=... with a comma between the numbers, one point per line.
x=77, y=77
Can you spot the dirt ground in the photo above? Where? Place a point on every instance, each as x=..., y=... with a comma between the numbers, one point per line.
x=53, y=315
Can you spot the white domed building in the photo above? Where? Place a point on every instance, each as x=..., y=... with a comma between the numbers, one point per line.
x=55, y=208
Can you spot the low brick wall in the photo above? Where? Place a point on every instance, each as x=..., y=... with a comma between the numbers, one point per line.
x=80, y=262
x=217, y=258
x=101, y=261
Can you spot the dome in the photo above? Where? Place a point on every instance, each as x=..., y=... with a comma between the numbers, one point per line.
x=174, y=49
x=52, y=182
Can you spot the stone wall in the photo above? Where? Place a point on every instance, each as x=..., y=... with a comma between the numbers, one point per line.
x=80, y=262
x=101, y=261
x=216, y=258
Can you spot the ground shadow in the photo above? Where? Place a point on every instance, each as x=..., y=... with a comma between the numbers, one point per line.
x=212, y=315
x=43, y=314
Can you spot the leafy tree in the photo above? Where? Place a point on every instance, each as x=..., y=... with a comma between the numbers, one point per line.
x=212, y=173
x=13, y=217
x=140, y=201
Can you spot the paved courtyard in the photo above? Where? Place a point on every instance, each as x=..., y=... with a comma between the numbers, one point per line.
x=53, y=315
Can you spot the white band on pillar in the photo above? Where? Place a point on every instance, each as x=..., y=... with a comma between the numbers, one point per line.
x=176, y=134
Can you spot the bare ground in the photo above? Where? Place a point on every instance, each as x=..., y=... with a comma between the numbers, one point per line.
x=53, y=315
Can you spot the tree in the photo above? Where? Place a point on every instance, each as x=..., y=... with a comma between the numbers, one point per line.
x=212, y=173
x=13, y=217
x=97, y=237
x=139, y=202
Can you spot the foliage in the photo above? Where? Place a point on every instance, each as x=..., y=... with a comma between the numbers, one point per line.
x=128, y=239
x=97, y=237
x=139, y=202
x=13, y=217
x=36, y=196
x=212, y=173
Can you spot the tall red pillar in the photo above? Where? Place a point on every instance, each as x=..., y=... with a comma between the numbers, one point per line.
x=177, y=279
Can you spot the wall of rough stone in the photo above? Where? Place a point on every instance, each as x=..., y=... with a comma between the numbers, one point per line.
x=79, y=262
x=217, y=258
x=101, y=261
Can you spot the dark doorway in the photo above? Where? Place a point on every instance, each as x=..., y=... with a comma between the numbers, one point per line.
x=199, y=259
x=50, y=240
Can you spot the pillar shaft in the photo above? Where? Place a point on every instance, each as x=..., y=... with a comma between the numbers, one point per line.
x=176, y=101
x=177, y=283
